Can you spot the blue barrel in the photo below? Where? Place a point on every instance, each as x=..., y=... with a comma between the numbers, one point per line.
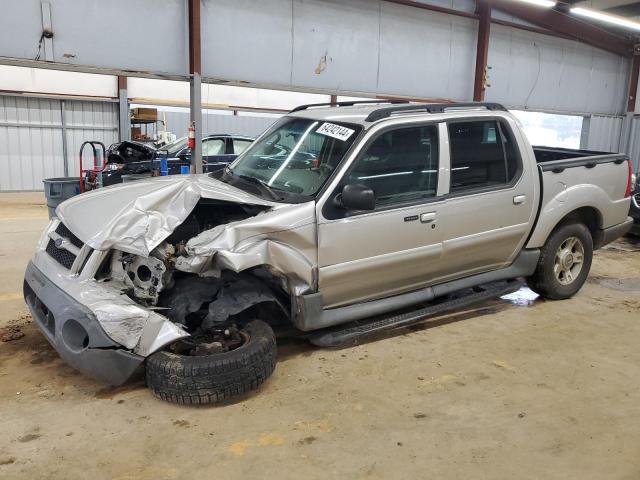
x=57, y=190
x=164, y=167
x=184, y=169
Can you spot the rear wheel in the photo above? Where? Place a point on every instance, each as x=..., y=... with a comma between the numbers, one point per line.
x=564, y=263
x=211, y=370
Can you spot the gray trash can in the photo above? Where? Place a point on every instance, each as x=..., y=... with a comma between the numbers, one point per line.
x=57, y=190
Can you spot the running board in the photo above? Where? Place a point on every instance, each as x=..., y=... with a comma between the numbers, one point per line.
x=354, y=332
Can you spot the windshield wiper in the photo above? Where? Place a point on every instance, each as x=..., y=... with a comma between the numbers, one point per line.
x=264, y=187
x=255, y=181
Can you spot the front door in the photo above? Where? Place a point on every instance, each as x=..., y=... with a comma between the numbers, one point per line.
x=398, y=246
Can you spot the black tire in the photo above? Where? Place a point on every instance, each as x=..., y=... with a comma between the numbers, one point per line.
x=203, y=379
x=544, y=281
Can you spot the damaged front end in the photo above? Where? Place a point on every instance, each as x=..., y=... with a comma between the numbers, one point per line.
x=182, y=263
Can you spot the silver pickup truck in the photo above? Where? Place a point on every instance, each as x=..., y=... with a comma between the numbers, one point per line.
x=339, y=222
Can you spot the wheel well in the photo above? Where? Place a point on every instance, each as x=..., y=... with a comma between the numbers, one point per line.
x=274, y=311
x=590, y=217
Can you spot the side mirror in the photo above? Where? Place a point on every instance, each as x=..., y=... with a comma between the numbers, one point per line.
x=357, y=197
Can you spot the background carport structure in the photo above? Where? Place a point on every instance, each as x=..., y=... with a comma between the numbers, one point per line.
x=510, y=51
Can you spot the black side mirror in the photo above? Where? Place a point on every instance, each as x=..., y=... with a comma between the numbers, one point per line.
x=357, y=197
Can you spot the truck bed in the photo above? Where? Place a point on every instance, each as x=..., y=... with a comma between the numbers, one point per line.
x=576, y=179
x=557, y=159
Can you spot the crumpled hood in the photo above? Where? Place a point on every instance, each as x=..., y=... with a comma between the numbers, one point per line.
x=136, y=217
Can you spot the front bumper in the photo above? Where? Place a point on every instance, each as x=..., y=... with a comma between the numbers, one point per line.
x=74, y=332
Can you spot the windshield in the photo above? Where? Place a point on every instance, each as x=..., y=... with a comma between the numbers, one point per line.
x=297, y=155
x=175, y=147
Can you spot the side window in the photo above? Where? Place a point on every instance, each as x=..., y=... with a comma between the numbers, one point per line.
x=400, y=165
x=240, y=146
x=483, y=154
x=213, y=146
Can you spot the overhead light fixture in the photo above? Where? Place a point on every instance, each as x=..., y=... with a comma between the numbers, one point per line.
x=540, y=3
x=606, y=18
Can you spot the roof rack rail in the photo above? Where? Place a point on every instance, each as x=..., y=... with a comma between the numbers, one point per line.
x=430, y=108
x=347, y=104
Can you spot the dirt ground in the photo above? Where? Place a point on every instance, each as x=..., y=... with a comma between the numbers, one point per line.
x=516, y=388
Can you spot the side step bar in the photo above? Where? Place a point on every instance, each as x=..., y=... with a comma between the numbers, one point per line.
x=355, y=332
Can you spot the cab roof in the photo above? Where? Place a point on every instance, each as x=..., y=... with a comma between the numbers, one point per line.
x=367, y=112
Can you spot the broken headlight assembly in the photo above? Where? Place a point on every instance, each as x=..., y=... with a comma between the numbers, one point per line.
x=144, y=277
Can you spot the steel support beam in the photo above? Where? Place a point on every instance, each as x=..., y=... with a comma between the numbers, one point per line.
x=195, y=85
x=65, y=148
x=482, y=50
x=633, y=84
x=124, y=121
x=564, y=23
x=195, y=110
x=627, y=131
x=542, y=29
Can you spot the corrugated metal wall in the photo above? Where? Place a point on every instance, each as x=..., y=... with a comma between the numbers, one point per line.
x=32, y=137
x=604, y=133
x=88, y=121
x=608, y=134
x=30, y=142
x=532, y=71
x=365, y=47
x=634, y=144
x=178, y=122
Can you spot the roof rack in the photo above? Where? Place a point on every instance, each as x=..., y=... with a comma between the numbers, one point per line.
x=347, y=104
x=386, y=112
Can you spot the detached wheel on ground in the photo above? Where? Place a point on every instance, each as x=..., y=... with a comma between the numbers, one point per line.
x=201, y=373
x=564, y=263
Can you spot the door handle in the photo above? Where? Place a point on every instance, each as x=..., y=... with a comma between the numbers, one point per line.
x=428, y=217
x=519, y=199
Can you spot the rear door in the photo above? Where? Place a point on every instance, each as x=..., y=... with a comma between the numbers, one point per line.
x=398, y=246
x=493, y=197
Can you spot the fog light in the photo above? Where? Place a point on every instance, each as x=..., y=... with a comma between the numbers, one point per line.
x=75, y=336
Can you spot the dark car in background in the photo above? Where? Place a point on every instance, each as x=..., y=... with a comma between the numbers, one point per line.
x=130, y=158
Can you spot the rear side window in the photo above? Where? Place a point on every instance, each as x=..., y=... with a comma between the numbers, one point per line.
x=400, y=165
x=240, y=146
x=483, y=155
x=214, y=146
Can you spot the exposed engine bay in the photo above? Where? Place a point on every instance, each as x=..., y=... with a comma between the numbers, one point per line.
x=189, y=257
x=201, y=304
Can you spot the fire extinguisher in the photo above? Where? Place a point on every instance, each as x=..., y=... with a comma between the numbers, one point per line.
x=191, y=137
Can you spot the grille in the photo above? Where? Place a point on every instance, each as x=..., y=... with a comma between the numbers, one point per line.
x=60, y=255
x=63, y=231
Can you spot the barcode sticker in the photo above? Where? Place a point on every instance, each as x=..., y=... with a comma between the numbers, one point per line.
x=335, y=131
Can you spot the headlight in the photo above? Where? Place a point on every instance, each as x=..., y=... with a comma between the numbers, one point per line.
x=44, y=238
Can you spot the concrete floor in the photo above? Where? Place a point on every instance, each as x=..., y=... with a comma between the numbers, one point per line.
x=517, y=388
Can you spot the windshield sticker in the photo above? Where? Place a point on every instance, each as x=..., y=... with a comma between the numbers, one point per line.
x=335, y=131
